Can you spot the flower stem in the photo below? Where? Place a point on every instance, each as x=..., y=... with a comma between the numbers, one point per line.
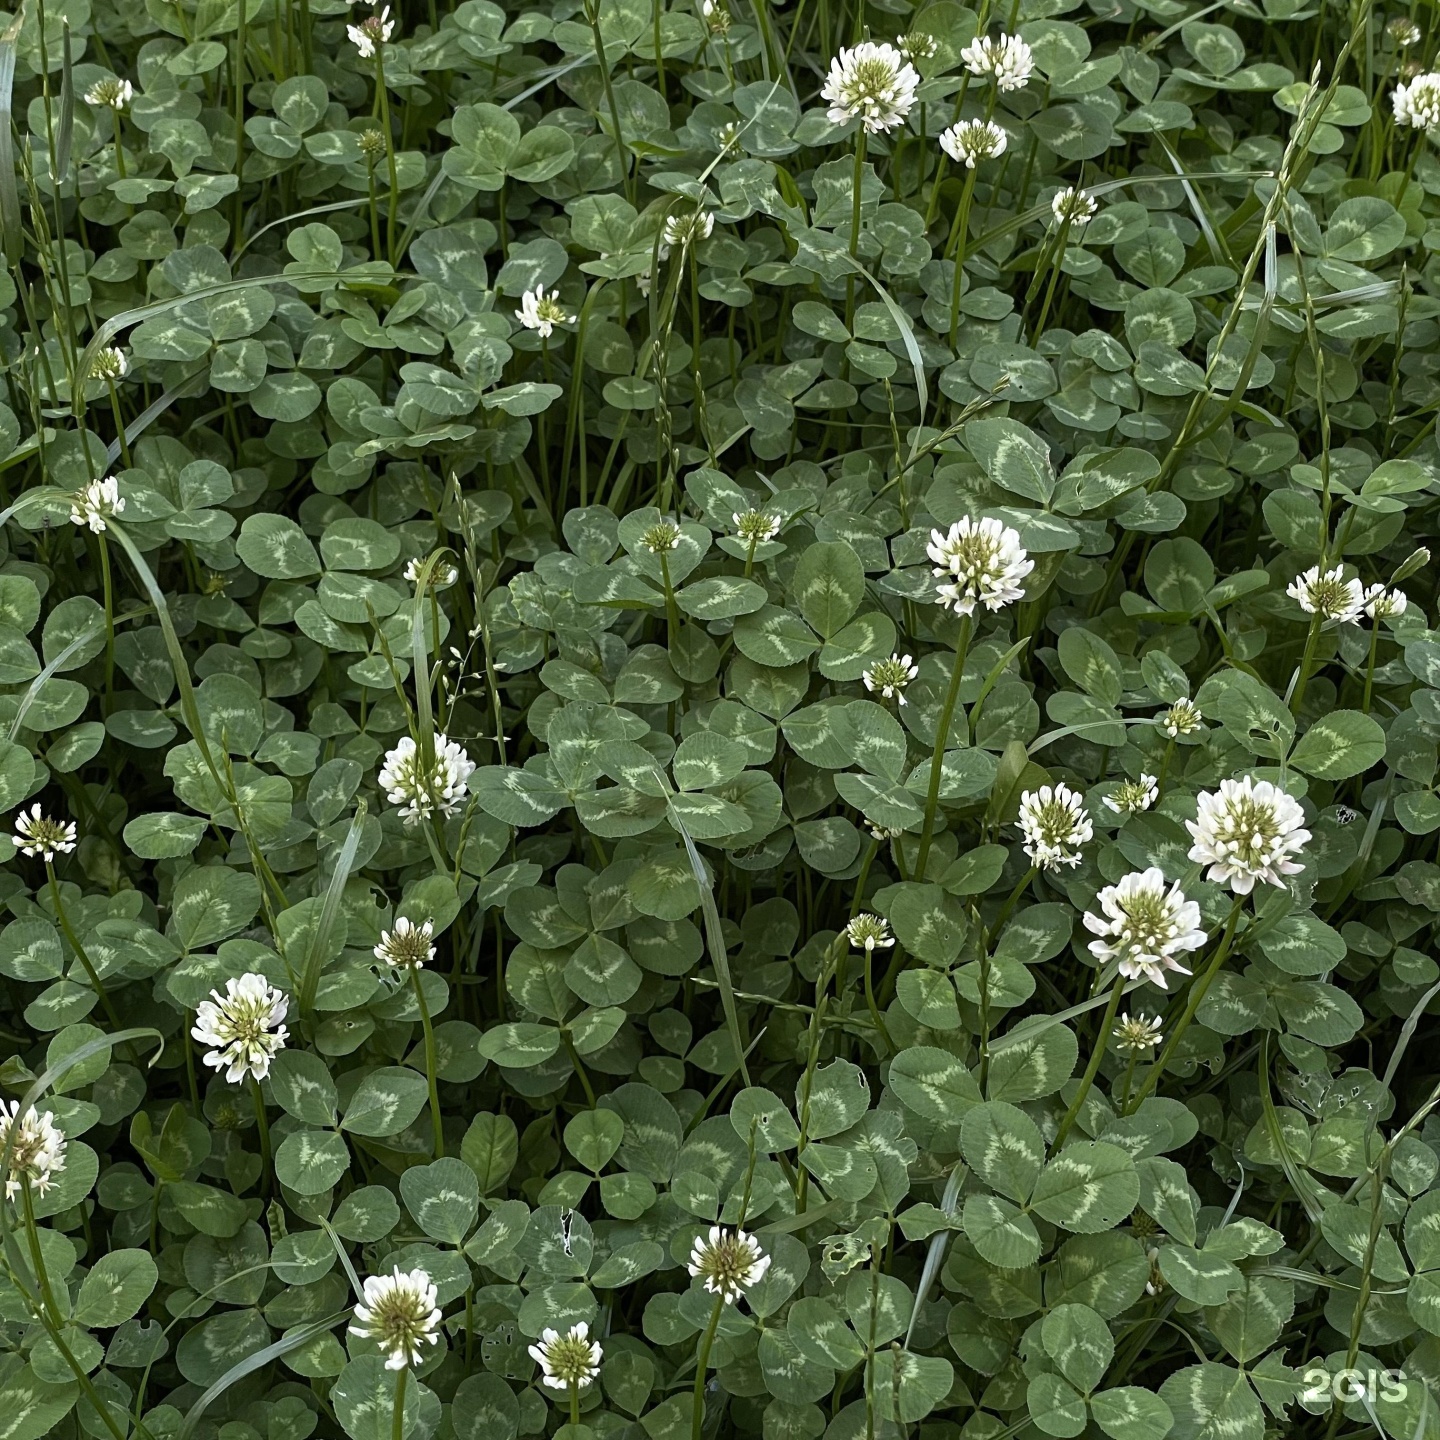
x=1192, y=1004
x=263, y=1125
x=957, y=239
x=68, y=931
x=942, y=733
x=1097, y=1055
x=702, y=1362
x=429, y=1030
x=574, y=1406
x=1306, y=661
x=397, y=1420
x=855, y=197
x=1370, y=666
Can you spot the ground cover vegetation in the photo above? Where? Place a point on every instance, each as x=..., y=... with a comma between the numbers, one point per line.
x=717, y=719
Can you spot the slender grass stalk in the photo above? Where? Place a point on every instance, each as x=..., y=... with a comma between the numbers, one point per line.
x=702, y=1365
x=430, y=1064
x=1097, y=1056
x=942, y=733
x=85, y=962
x=262, y=1123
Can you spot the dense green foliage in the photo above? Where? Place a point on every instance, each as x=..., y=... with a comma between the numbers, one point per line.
x=481, y=468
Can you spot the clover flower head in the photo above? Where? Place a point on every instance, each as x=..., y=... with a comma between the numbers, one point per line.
x=399, y=1312
x=98, y=502
x=968, y=142
x=1383, y=604
x=983, y=563
x=685, y=230
x=1134, y=1033
x=39, y=1147
x=568, y=1360
x=755, y=526
x=1055, y=825
x=1417, y=102
x=872, y=82
x=661, y=539
x=890, y=677
x=1248, y=830
x=1403, y=31
x=372, y=144
x=728, y=135
x=441, y=577
x=112, y=93
x=1007, y=58
x=1134, y=795
x=1075, y=205
x=407, y=945
x=243, y=1027
x=419, y=791
x=1329, y=595
x=109, y=363
x=730, y=1261
x=37, y=834
x=371, y=33
x=716, y=14
x=542, y=312
x=1182, y=718
x=885, y=832
x=918, y=45
x=869, y=933
x=1144, y=926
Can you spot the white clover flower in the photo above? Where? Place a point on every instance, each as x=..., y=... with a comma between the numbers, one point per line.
x=728, y=136
x=918, y=45
x=243, y=1025
x=1403, y=31
x=873, y=82
x=1138, y=1032
x=1330, y=596
x=542, y=312
x=407, y=945
x=730, y=1261
x=970, y=141
x=1182, y=718
x=1144, y=926
x=755, y=525
x=39, y=1151
x=1075, y=205
x=869, y=933
x=111, y=93
x=37, y=834
x=1055, y=826
x=109, y=363
x=98, y=502
x=371, y=33
x=420, y=794
x=716, y=15
x=1008, y=59
x=1134, y=795
x=1417, y=102
x=1383, y=604
x=399, y=1312
x=442, y=576
x=661, y=539
x=983, y=561
x=568, y=1360
x=1247, y=831
x=890, y=677
x=685, y=230
x=885, y=832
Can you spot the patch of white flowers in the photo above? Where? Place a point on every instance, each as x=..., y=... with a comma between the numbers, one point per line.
x=1144, y=926
x=1074, y=205
x=243, y=1027
x=869, y=932
x=112, y=93
x=890, y=677
x=978, y=562
x=968, y=142
x=399, y=1312
x=755, y=526
x=1417, y=102
x=37, y=834
x=541, y=312
x=99, y=502
x=37, y=1152
x=568, y=1360
x=729, y=1261
x=1182, y=718
x=1134, y=795
x=1055, y=825
x=685, y=230
x=1329, y=595
x=1008, y=59
x=372, y=32
x=420, y=791
x=407, y=945
x=1248, y=830
x=873, y=83
x=1383, y=604
x=1134, y=1033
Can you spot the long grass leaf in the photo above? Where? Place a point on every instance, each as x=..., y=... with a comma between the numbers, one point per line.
x=334, y=897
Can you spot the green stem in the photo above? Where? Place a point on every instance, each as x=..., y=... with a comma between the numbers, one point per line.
x=429, y=1030
x=1192, y=1004
x=1307, y=660
x=942, y=733
x=383, y=94
x=957, y=239
x=397, y=1419
x=855, y=198
x=1370, y=665
x=263, y=1125
x=1097, y=1055
x=107, y=584
x=574, y=1406
x=78, y=948
x=702, y=1362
